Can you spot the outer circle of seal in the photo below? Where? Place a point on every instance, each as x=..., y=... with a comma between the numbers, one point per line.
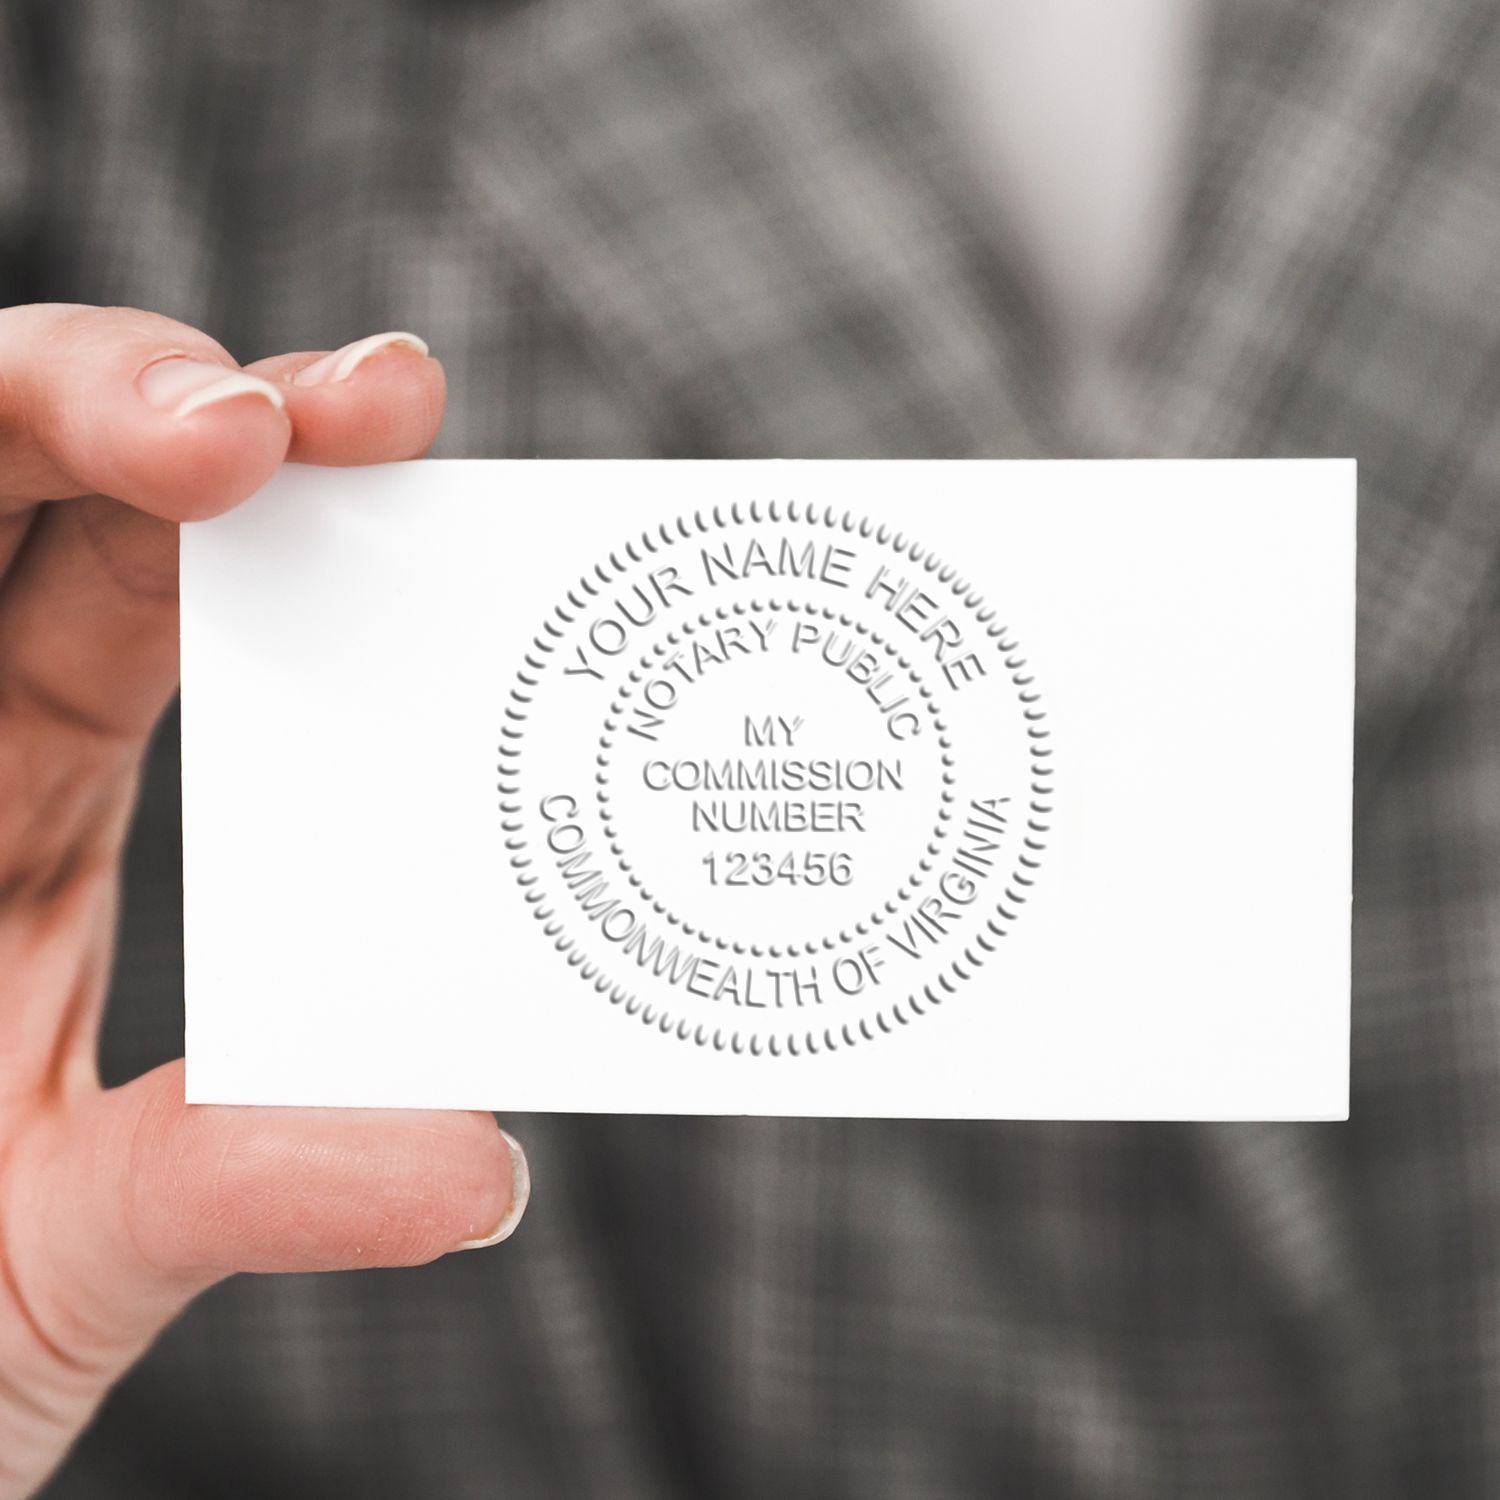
x=984, y=941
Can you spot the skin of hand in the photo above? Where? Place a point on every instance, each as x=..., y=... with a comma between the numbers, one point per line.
x=117, y=1206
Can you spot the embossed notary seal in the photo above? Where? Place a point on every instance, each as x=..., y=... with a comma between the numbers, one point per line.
x=775, y=779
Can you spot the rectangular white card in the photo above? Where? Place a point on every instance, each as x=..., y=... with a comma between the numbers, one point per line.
x=897, y=789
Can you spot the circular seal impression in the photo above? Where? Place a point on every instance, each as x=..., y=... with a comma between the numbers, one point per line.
x=774, y=779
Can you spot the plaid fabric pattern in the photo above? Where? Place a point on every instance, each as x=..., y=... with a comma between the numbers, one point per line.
x=736, y=227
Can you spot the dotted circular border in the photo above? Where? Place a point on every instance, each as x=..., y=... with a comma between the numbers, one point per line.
x=777, y=950
x=688, y=528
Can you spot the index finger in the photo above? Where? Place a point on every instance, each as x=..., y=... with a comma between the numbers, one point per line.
x=129, y=404
x=125, y=403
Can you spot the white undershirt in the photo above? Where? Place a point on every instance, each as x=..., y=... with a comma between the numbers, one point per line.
x=1078, y=113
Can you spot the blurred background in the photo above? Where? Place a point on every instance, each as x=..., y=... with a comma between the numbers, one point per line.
x=906, y=228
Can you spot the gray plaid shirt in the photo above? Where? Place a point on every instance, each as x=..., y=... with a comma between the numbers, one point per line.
x=735, y=228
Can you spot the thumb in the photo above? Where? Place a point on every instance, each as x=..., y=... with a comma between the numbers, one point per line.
x=119, y=1210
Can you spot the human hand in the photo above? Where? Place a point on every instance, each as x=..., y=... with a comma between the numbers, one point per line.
x=118, y=1206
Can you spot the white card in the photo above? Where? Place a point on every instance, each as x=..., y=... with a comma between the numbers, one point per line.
x=872, y=789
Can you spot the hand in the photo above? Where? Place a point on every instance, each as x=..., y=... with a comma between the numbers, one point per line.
x=118, y=1206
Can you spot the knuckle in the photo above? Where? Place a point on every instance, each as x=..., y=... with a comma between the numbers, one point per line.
x=158, y=1207
x=53, y=328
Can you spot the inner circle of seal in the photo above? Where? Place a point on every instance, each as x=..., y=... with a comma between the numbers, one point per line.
x=862, y=928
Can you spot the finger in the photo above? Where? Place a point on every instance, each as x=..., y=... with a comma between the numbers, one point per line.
x=115, y=1214
x=88, y=623
x=376, y=400
x=130, y=404
x=134, y=1202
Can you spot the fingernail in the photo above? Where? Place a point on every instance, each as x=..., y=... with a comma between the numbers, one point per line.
x=182, y=386
x=520, y=1192
x=342, y=363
